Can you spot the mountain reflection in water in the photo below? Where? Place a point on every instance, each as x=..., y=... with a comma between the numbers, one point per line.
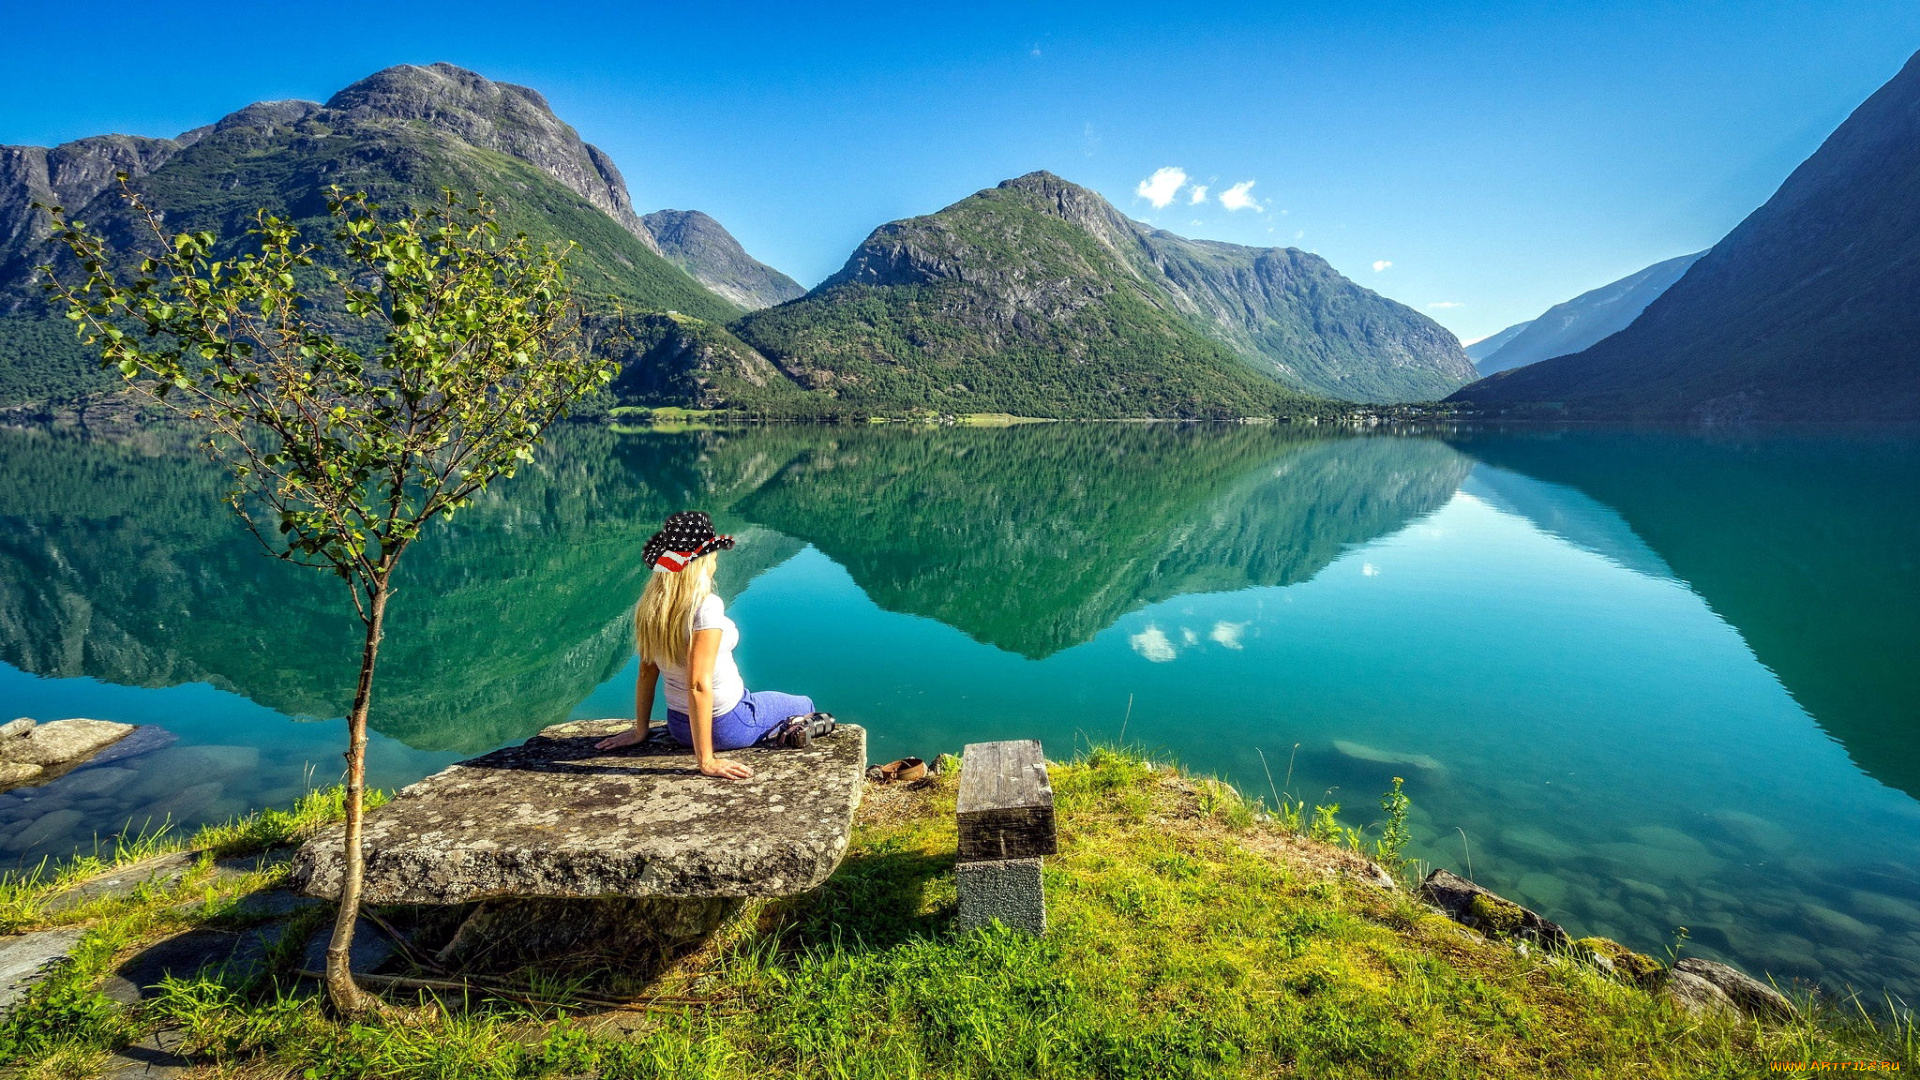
x=123, y=565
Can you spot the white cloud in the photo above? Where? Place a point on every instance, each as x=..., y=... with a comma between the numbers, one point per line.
x=1381, y=264
x=1238, y=197
x=1369, y=570
x=1446, y=304
x=1227, y=634
x=1160, y=188
x=1152, y=644
x=1198, y=195
x=1035, y=53
x=1187, y=635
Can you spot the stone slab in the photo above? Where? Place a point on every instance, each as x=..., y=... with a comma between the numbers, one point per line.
x=556, y=818
x=371, y=948
x=64, y=741
x=239, y=955
x=156, y=1057
x=16, y=727
x=1008, y=890
x=27, y=959
x=161, y=870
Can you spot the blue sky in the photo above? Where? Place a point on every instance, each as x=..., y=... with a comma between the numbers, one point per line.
x=1489, y=159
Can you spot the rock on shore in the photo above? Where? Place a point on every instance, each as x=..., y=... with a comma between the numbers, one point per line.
x=28, y=751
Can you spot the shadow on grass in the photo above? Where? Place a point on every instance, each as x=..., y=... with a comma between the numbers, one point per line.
x=876, y=899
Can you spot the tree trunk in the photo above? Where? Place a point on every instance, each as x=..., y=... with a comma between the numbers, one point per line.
x=341, y=989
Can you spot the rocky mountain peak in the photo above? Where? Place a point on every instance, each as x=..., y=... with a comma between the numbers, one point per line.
x=704, y=248
x=1081, y=206
x=492, y=115
x=71, y=175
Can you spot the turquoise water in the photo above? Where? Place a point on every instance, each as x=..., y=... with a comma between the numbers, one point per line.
x=1635, y=680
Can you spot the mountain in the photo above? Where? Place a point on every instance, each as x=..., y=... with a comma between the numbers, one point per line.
x=1487, y=346
x=1585, y=319
x=1038, y=296
x=1291, y=314
x=699, y=245
x=1804, y=312
x=400, y=134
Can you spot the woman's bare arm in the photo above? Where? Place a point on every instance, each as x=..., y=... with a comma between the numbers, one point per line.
x=642, y=710
x=700, y=661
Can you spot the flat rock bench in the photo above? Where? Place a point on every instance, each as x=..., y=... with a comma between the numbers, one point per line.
x=565, y=843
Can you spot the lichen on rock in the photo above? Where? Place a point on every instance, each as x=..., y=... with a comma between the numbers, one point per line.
x=1621, y=962
x=556, y=818
x=1490, y=913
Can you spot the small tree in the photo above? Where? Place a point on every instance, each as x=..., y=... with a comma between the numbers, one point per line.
x=347, y=427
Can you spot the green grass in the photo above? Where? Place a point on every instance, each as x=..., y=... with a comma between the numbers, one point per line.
x=1191, y=936
x=25, y=896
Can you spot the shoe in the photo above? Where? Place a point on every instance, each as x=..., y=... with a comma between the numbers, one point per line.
x=905, y=771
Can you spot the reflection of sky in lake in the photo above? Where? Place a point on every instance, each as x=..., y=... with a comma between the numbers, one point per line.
x=1609, y=747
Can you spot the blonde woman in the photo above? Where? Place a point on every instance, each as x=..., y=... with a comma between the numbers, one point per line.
x=681, y=630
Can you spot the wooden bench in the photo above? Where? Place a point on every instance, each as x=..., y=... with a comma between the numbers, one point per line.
x=1005, y=825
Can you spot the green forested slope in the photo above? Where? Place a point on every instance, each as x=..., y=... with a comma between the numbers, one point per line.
x=1000, y=303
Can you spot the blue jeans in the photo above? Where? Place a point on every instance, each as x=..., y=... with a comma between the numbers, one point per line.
x=757, y=715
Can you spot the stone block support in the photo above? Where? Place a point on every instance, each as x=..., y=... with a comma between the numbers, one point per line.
x=1009, y=890
x=1005, y=811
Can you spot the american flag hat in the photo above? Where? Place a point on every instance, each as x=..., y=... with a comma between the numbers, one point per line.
x=685, y=537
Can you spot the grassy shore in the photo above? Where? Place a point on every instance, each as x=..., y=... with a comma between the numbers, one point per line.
x=1191, y=936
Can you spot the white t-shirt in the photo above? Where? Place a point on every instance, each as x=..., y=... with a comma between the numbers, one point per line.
x=727, y=687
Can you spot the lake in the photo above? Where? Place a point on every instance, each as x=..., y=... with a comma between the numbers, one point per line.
x=1636, y=680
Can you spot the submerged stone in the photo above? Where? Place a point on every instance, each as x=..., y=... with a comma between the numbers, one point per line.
x=555, y=818
x=1531, y=840
x=1881, y=906
x=49, y=826
x=1844, y=928
x=1543, y=889
x=1644, y=890
x=1752, y=829
x=1666, y=838
x=1375, y=756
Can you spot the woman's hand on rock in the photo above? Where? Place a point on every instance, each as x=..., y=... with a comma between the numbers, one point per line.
x=626, y=738
x=727, y=770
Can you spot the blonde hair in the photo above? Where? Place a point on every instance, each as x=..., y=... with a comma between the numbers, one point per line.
x=663, y=619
